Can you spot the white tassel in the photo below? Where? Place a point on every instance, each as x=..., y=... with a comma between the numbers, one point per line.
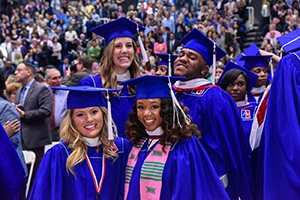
x=177, y=108
x=109, y=120
x=169, y=66
x=143, y=51
x=214, y=64
x=281, y=52
x=272, y=68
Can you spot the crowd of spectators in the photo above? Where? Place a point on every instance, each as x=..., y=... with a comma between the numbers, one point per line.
x=56, y=32
x=48, y=32
x=279, y=17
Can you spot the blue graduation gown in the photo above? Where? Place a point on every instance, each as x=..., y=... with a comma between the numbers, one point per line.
x=218, y=120
x=280, y=144
x=53, y=181
x=120, y=105
x=11, y=170
x=188, y=174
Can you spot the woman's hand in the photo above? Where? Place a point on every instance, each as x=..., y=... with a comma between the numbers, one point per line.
x=11, y=127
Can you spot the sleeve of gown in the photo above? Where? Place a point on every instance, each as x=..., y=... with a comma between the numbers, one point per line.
x=229, y=143
x=52, y=171
x=195, y=177
x=11, y=170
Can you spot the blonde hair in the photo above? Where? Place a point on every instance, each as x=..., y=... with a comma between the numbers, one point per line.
x=11, y=79
x=73, y=138
x=12, y=87
x=107, y=67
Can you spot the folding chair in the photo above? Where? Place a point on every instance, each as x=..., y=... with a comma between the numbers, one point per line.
x=30, y=160
x=49, y=146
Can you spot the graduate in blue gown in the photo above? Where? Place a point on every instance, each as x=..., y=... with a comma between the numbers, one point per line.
x=167, y=160
x=280, y=143
x=259, y=65
x=165, y=65
x=11, y=170
x=120, y=62
x=238, y=81
x=215, y=113
x=90, y=162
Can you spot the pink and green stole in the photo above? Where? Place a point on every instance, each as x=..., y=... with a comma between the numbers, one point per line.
x=151, y=172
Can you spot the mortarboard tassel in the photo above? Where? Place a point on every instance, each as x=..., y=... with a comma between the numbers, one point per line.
x=109, y=120
x=214, y=64
x=177, y=108
x=272, y=68
x=143, y=51
x=169, y=66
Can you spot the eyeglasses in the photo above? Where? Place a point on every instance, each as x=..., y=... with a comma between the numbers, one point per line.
x=19, y=70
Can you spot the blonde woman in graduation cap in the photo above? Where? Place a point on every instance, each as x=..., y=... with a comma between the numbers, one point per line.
x=89, y=162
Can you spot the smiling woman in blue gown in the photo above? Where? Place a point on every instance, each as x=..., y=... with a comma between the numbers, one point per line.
x=120, y=62
x=90, y=162
x=167, y=160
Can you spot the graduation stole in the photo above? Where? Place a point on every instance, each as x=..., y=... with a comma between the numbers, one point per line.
x=151, y=172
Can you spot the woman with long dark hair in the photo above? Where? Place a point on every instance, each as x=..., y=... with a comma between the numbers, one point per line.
x=167, y=160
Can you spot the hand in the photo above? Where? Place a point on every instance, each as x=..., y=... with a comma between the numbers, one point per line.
x=11, y=127
x=68, y=73
x=21, y=112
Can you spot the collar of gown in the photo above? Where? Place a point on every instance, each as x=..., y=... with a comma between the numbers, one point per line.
x=191, y=83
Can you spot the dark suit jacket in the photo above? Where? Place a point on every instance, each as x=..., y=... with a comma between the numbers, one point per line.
x=35, y=126
x=176, y=44
x=75, y=78
x=142, y=17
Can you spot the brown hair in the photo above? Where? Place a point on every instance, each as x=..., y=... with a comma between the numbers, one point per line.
x=12, y=87
x=107, y=68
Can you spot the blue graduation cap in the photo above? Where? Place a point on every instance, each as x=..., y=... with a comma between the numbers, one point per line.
x=252, y=76
x=167, y=60
x=86, y=96
x=256, y=61
x=252, y=50
x=291, y=41
x=121, y=27
x=196, y=41
x=149, y=87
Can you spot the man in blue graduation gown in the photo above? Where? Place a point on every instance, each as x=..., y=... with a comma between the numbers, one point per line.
x=281, y=136
x=215, y=113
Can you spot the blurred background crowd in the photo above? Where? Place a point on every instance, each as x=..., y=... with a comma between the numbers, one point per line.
x=57, y=32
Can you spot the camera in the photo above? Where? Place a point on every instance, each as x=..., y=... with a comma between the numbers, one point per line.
x=20, y=107
x=72, y=67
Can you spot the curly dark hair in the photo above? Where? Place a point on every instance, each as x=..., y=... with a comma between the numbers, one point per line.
x=135, y=130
